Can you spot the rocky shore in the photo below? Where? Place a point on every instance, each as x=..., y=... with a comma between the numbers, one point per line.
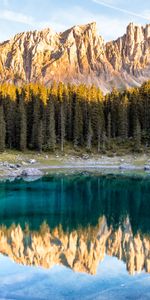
x=40, y=164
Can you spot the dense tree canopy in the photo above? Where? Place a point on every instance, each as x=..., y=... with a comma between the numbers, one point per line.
x=40, y=118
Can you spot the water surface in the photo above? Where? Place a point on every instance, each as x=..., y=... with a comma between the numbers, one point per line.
x=81, y=236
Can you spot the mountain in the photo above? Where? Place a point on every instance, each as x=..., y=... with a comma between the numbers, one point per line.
x=78, y=55
x=130, y=55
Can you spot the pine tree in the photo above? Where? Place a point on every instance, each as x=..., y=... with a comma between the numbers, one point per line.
x=98, y=137
x=9, y=108
x=144, y=109
x=109, y=126
x=137, y=135
x=2, y=128
x=62, y=117
x=100, y=127
x=23, y=126
x=50, y=124
x=29, y=112
x=123, y=118
x=35, y=122
x=21, y=122
x=78, y=122
x=114, y=105
x=89, y=136
x=104, y=141
x=40, y=136
x=69, y=113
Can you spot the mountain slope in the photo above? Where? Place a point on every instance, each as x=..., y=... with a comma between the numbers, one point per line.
x=78, y=55
x=130, y=54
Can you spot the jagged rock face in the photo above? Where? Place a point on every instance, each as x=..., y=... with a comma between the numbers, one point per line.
x=130, y=54
x=81, y=250
x=78, y=55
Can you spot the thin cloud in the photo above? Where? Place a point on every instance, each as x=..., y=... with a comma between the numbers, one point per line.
x=64, y=19
x=71, y=17
x=142, y=16
x=10, y=15
x=109, y=28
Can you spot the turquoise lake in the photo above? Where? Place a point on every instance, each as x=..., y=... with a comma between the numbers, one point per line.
x=77, y=236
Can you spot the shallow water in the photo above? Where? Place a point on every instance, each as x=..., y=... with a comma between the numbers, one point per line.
x=79, y=236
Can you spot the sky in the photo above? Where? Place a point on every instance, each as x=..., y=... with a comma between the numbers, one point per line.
x=111, y=16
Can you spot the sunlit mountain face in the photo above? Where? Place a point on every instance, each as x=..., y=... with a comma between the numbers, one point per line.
x=77, y=55
x=75, y=220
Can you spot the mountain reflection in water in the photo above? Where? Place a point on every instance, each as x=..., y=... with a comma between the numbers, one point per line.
x=76, y=220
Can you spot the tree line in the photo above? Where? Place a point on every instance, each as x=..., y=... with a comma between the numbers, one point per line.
x=43, y=119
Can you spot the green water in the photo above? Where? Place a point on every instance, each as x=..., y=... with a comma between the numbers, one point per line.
x=76, y=226
x=76, y=200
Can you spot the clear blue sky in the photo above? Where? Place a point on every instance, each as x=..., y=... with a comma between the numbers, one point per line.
x=112, y=16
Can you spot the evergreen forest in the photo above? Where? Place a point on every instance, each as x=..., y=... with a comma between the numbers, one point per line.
x=45, y=119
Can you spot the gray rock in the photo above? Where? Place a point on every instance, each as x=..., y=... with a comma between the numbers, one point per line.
x=122, y=160
x=31, y=178
x=85, y=156
x=31, y=172
x=32, y=161
x=23, y=163
x=147, y=168
x=18, y=165
x=126, y=167
x=12, y=166
x=13, y=174
x=5, y=164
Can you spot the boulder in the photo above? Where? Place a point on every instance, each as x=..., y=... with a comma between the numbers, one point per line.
x=85, y=156
x=126, y=167
x=18, y=165
x=31, y=172
x=6, y=164
x=12, y=166
x=32, y=161
x=31, y=178
x=147, y=168
x=122, y=160
x=24, y=163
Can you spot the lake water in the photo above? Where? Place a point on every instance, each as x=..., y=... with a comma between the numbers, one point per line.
x=79, y=236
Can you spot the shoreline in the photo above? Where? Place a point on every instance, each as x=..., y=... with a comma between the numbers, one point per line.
x=34, y=172
x=12, y=165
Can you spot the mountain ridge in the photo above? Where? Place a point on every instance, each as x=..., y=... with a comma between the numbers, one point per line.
x=77, y=55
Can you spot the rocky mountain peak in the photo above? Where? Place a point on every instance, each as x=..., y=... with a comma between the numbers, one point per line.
x=138, y=33
x=84, y=33
x=147, y=31
x=130, y=54
x=90, y=27
x=78, y=55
